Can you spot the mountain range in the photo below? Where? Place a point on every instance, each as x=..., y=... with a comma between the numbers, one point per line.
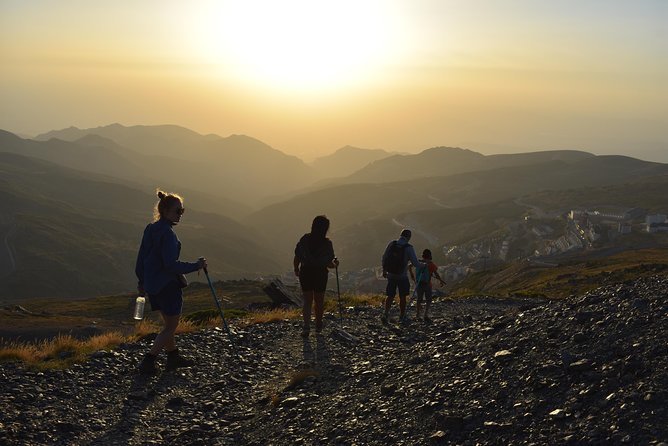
x=69, y=233
x=76, y=200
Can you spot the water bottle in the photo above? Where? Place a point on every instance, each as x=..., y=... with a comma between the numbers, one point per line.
x=139, y=308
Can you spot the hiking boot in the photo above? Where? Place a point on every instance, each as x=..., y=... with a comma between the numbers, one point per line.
x=383, y=319
x=175, y=361
x=403, y=320
x=305, y=333
x=318, y=329
x=147, y=365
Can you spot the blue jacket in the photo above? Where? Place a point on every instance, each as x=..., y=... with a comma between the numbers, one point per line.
x=158, y=259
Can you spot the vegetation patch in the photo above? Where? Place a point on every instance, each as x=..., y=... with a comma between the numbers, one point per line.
x=59, y=352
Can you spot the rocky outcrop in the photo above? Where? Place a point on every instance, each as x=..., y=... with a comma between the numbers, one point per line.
x=590, y=369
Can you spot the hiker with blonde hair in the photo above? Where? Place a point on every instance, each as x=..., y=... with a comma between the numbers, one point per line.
x=161, y=276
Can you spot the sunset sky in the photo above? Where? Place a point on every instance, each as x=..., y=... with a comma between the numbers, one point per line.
x=308, y=77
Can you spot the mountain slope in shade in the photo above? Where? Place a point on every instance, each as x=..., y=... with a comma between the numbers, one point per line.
x=238, y=167
x=75, y=234
x=365, y=210
x=346, y=161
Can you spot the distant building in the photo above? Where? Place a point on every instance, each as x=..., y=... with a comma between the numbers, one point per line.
x=657, y=218
x=657, y=227
x=624, y=228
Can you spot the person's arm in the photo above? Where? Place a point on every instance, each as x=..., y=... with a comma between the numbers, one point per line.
x=139, y=265
x=295, y=263
x=435, y=274
x=382, y=259
x=332, y=261
x=411, y=272
x=413, y=257
x=170, y=252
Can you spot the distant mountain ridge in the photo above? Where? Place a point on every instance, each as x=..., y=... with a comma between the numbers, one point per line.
x=346, y=161
x=257, y=200
x=238, y=167
x=443, y=161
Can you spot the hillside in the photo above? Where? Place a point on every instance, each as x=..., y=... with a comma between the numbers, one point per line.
x=75, y=234
x=588, y=369
x=448, y=209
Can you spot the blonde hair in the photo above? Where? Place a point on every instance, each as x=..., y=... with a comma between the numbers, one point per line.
x=166, y=201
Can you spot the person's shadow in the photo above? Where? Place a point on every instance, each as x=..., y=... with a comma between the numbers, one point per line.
x=322, y=355
x=318, y=357
x=141, y=394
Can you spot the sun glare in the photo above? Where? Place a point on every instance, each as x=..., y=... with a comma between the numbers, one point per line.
x=299, y=44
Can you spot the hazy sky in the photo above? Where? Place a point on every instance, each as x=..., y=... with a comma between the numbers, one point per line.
x=308, y=77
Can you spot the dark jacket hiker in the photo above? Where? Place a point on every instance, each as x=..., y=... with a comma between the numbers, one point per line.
x=314, y=253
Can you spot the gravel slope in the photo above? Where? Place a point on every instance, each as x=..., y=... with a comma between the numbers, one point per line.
x=589, y=369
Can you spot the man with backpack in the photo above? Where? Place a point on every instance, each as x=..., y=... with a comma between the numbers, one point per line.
x=395, y=268
x=422, y=278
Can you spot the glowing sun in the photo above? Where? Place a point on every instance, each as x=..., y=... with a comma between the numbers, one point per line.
x=300, y=44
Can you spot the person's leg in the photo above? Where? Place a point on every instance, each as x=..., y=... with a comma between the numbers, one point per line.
x=306, y=311
x=174, y=359
x=390, y=291
x=165, y=338
x=419, y=303
x=319, y=301
x=404, y=288
x=427, y=305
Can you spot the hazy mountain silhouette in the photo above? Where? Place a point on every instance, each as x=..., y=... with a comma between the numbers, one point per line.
x=442, y=161
x=103, y=159
x=346, y=161
x=237, y=167
x=169, y=140
x=94, y=153
x=74, y=233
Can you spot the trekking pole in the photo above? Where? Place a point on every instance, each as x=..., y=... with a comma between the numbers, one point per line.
x=220, y=309
x=338, y=291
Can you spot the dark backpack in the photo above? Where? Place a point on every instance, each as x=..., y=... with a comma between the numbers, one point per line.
x=394, y=260
x=312, y=259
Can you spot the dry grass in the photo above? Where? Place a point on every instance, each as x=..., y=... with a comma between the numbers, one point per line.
x=64, y=350
x=19, y=352
x=145, y=327
x=276, y=315
x=61, y=351
x=105, y=341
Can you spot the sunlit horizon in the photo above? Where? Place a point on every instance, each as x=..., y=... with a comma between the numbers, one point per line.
x=308, y=78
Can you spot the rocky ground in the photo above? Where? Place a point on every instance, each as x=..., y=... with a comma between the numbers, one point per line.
x=590, y=369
